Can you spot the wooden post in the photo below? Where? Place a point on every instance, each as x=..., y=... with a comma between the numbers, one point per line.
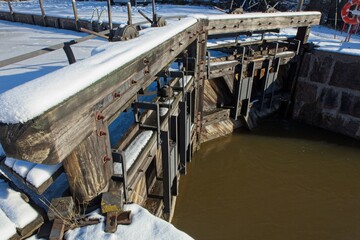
x=303, y=34
x=89, y=168
x=75, y=14
x=200, y=75
x=300, y=5
x=11, y=11
x=109, y=14
x=42, y=12
x=129, y=13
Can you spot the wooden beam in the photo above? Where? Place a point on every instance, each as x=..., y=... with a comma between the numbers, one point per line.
x=56, y=133
x=258, y=22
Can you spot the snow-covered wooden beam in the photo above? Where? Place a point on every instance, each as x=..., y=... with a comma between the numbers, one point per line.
x=233, y=23
x=51, y=136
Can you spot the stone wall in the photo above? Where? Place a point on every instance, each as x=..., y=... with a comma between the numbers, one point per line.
x=328, y=92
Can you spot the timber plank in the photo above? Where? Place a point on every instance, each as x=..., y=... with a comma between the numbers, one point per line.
x=265, y=21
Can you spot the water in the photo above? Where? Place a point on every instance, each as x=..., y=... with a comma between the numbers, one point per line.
x=282, y=181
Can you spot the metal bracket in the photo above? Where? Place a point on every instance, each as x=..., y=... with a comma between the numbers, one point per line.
x=119, y=157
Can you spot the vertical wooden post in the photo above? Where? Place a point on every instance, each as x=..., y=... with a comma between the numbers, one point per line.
x=303, y=34
x=11, y=11
x=42, y=12
x=200, y=75
x=109, y=14
x=300, y=5
x=129, y=10
x=90, y=166
x=75, y=14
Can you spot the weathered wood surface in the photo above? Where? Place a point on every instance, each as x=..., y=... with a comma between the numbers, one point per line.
x=52, y=136
x=216, y=116
x=218, y=129
x=265, y=21
x=89, y=168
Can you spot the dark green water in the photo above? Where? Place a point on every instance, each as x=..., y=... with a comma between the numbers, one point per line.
x=282, y=181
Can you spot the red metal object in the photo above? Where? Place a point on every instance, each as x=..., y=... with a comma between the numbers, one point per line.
x=347, y=14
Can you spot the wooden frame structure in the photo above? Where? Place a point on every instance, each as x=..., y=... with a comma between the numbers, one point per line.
x=76, y=133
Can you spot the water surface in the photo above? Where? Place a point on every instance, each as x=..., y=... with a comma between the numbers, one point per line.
x=282, y=181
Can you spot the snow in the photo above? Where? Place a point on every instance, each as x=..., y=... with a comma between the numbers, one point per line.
x=257, y=15
x=10, y=162
x=88, y=10
x=15, y=208
x=321, y=36
x=324, y=38
x=8, y=228
x=17, y=39
x=41, y=173
x=36, y=174
x=184, y=81
x=144, y=226
x=133, y=150
x=26, y=101
x=23, y=167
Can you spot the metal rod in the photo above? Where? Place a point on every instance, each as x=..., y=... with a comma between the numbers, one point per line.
x=336, y=16
x=220, y=9
x=75, y=14
x=300, y=5
x=39, y=52
x=129, y=10
x=109, y=14
x=42, y=11
x=231, y=5
x=93, y=33
x=146, y=17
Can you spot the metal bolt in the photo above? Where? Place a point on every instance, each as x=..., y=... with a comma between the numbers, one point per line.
x=102, y=133
x=116, y=95
x=146, y=61
x=106, y=159
x=100, y=116
x=133, y=81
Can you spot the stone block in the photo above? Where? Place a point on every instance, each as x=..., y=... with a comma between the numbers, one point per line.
x=61, y=208
x=305, y=65
x=351, y=127
x=321, y=69
x=346, y=75
x=111, y=202
x=331, y=122
x=355, y=110
x=330, y=98
x=346, y=103
x=306, y=92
